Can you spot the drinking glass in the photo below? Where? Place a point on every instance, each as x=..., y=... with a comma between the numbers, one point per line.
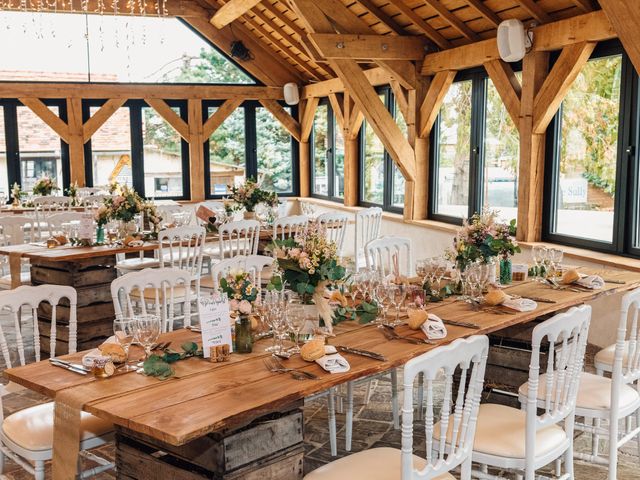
x=147, y=331
x=296, y=320
x=555, y=256
x=421, y=269
x=397, y=294
x=124, y=330
x=382, y=298
x=538, y=253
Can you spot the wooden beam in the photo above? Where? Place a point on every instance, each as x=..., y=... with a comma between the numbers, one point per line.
x=170, y=116
x=124, y=90
x=625, y=18
x=586, y=5
x=532, y=150
x=231, y=11
x=196, y=150
x=76, y=142
x=337, y=105
x=174, y=8
x=430, y=107
x=590, y=27
x=382, y=17
x=485, y=11
x=47, y=116
x=354, y=117
x=376, y=76
x=420, y=24
x=290, y=124
x=368, y=47
x=507, y=85
x=283, y=18
x=103, y=114
x=535, y=10
x=219, y=116
x=307, y=114
x=452, y=20
x=554, y=89
x=401, y=98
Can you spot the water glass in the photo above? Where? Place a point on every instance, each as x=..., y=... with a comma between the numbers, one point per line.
x=124, y=331
x=398, y=294
x=296, y=320
x=147, y=330
x=538, y=252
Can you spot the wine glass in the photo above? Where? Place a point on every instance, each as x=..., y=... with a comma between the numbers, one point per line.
x=382, y=298
x=538, y=252
x=422, y=269
x=296, y=320
x=147, y=331
x=397, y=294
x=124, y=330
x=555, y=256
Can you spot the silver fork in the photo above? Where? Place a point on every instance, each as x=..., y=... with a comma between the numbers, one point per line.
x=391, y=334
x=274, y=366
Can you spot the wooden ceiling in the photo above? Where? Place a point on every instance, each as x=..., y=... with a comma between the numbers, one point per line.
x=443, y=23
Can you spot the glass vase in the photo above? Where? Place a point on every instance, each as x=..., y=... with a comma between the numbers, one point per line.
x=244, y=339
x=505, y=271
x=100, y=234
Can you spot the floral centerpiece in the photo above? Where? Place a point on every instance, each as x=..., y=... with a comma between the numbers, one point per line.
x=72, y=192
x=250, y=194
x=44, y=186
x=241, y=291
x=16, y=194
x=309, y=264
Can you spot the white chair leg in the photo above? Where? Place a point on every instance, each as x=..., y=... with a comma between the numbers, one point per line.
x=613, y=448
x=465, y=469
x=349, y=417
x=420, y=396
x=39, y=470
x=558, y=467
x=1, y=462
x=368, y=392
x=568, y=462
x=594, y=440
x=596, y=436
x=331, y=410
x=638, y=426
x=394, y=399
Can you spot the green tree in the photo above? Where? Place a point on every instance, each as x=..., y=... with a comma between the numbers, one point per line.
x=209, y=67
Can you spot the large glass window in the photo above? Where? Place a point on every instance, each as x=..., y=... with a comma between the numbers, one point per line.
x=373, y=167
x=275, y=153
x=40, y=149
x=327, y=167
x=4, y=180
x=587, y=153
x=453, y=152
x=111, y=155
x=227, y=153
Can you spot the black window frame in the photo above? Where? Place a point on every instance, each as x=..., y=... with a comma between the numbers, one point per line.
x=251, y=147
x=388, y=164
x=332, y=129
x=137, y=146
x=625, y=217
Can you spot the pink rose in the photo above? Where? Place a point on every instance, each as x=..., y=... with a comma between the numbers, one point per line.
x=244, y=307
x=233, y=304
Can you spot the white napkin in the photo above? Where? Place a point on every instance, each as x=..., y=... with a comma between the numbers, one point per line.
x=520, y=304
x=433, y=328
x=335, y=363
x=135, y=243
x=594, y=282
x=87, y=359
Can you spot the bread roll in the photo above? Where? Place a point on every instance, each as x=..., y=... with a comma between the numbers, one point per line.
x=495, y=297
x=570, y=276
x=313, y=349
x=416, y=318
x=113, y=350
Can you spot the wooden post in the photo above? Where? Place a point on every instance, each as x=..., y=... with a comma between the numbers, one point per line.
x=196, y=150
x=351, y=167
x=305, y=165
x=421, y=193
x=76, y=141
x=532, y=145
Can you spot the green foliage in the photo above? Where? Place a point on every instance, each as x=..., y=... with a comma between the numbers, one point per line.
x=159, y=366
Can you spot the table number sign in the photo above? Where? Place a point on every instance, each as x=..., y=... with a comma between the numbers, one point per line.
x=86, y=228
x=215, y=322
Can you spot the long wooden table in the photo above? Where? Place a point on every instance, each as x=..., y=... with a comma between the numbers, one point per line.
x=207, y=403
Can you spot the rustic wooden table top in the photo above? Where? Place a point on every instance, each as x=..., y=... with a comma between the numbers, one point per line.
x=205, y=397
x=39, y=251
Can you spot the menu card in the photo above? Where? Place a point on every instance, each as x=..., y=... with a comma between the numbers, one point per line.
x=215, y=322
x=86, y=228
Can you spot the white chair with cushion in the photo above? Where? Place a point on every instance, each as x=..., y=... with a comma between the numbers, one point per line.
x=613, y=399
x=16, y=230
x=522, y=440
x=26, y=436
x=458, y=409
x=165, y=292
x=368, y=223
x=334, y=224
x=382, y=252
x=287, y=227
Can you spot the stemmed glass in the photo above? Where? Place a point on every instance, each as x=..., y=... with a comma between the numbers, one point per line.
x=124, y=330
x=397, y=294
x=296, y=319
x=538, y=252
x=147, y=331
x=382, y=298
x=555, y=256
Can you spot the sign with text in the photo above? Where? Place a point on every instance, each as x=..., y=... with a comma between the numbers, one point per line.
x=86, y=228
x=215, y=322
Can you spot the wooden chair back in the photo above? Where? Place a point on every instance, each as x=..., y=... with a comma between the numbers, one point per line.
x=382, y=253
x=239, y=238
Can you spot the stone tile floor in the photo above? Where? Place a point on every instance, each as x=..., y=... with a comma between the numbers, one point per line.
x=372, y=428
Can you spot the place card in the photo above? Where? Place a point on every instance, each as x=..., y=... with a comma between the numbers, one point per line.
x=86, y=228
x=215, y=323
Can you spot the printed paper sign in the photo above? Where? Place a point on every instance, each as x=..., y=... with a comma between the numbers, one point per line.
x=86, y=228
x=215, y=322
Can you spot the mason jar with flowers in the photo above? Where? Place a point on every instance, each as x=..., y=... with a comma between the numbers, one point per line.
x=250, y=194
x=44, y=186
x=124, y=207
x=242, y=294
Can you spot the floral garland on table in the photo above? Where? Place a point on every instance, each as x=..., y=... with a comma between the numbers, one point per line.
x=240, y=290
x=44, y=186
x=481, y=238
x=249, y=194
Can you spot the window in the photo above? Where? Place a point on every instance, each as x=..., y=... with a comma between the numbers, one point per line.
x=4, y=179
x=327, y=166
x=251, y=142
x=381, y=181
x=111, y=150
x=108, y=48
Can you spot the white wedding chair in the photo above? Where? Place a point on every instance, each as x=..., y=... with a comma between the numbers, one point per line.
x=95, y=200
x=183, y=247
x=458, y=412
x=238, y=238
x=165, y=292
x=381, y=253
x=368, y=223
x=613, y=399
x=287, y=227
x=334, y=225
x=89, y=191
x=54, y=221
x=16, y=230
x=51, y=203
x=253, y=264
x=522, y=440
x=26, y=436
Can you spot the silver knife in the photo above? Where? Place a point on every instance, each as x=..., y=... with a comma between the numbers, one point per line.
x=77, y=366
x=460, y=324
x=70, y=368
x=363, y=353
x=613, y=280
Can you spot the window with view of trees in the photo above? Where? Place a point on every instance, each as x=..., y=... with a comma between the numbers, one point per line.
x=227, y=153
x=327, y=167
x=275, y=153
